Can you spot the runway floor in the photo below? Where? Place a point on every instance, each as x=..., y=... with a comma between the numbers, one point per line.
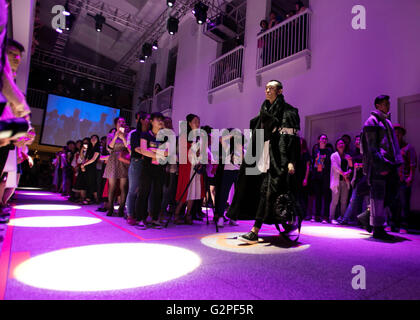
x=57, y=250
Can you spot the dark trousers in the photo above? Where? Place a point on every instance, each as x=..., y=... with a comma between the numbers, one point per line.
x=228, y=179
x=169, y=191
x=384, y=193
x=4, y=152
x=151, y=181
x=261, y=211
x=303, y=198
x=321, y=185
x=100, y=183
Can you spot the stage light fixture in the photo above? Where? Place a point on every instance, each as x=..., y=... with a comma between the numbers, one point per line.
x=200, y=12
x=59, y=30
x=170, y=3
x=155, y=45
x=99, y=21
x=142, y=59
x=172, y=25
x=146, y=50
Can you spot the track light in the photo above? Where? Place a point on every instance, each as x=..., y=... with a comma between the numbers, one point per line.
x=200, y=12
x=146, y=50
x=59, y=30
x=155, y=45
x=142, y=59
x=170, y=3
x=172, y=25
x=99, y=21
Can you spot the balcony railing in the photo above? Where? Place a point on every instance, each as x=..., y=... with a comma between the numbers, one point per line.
x=159, y=103
x=163, y=100
x=284, y=40
x=226, y=70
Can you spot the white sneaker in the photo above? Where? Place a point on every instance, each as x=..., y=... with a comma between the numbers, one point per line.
x=233, y=223
x=334, y=222
x=220, y=222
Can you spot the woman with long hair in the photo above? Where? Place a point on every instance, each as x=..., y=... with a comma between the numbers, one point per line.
x=89, y=165
x=115, y=169
x=186, y=172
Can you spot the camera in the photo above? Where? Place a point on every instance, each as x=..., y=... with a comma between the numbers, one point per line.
x=13, y=128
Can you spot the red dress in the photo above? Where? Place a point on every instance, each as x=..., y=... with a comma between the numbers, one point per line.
x=184, y=177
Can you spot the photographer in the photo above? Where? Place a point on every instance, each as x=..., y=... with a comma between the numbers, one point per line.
x=10, y=94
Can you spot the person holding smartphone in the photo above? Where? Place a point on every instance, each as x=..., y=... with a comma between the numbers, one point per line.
x=82, y=182
x=115, y=169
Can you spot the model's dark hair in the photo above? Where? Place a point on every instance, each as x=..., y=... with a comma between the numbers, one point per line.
x=319, y=138
x=190, y=117
x=380, y=99
x=155, y=115
x=263, y=21
x=141, y=115
x=300, y=4
x=16, y=44
x=279, y=84
x=70, y=142
x=116, y=120
x=336, y=143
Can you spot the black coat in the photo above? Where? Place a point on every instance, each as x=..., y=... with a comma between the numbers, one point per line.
x=284, y=149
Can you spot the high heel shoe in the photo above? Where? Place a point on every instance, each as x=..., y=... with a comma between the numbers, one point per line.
x=110, y=213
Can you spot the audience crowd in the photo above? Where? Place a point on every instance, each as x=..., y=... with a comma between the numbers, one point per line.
x=122, y=168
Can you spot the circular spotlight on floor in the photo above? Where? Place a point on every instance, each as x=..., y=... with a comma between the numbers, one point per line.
x=268, y=244
x=53, y=222
x=107, y=267
x=46, y=207
x=41, y=194
x=335, y=232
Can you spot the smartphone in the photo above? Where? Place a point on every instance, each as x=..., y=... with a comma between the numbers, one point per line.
x=85, y=146
x=122, y=129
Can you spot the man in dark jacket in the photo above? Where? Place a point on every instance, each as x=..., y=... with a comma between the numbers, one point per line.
x=381, y=159
x=256, y=194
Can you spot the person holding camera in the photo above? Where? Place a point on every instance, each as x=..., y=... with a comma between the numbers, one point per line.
x=115, y=169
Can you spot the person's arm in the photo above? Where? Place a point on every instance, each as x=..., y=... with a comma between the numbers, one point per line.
x=413, y=166
x=144, y=150
x=12, y=93
x=308, y=168
x=111, y=141
x=95, y=156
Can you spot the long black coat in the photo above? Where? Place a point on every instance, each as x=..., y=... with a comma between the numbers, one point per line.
x=284, y=149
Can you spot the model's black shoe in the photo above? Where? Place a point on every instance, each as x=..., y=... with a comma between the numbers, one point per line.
x=110, y=213
x=249, y=237
x=102, y=209
x=380, y=234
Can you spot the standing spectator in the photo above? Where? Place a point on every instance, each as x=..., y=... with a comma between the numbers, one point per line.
x=321, y=159
x=171, y=179
x=303, y=173
x=233, y=155
x=341, y=164
x=186, y=171
x=274, y=20
x=157, y=89
x=300, y=7
x=347, y=141
x=115, y=169
x=406, y=173
x=92, y=157
x=360, y=187
x=152, y=174
x=381, y=160
x=100, y=167
x=135, y=168
x=82, y=183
